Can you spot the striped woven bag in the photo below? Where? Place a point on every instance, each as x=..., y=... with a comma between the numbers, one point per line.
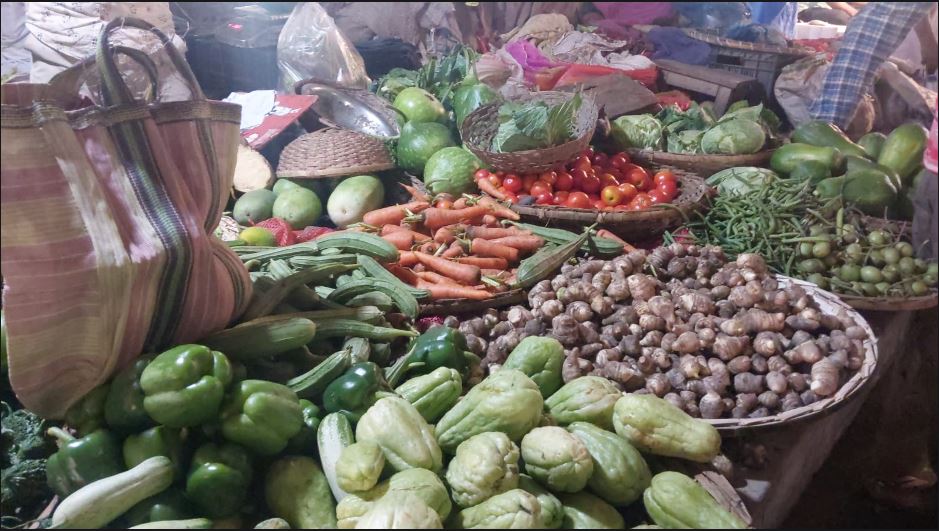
x=107, y=221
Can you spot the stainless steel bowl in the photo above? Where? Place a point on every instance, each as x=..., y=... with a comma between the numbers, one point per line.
x=355, y=110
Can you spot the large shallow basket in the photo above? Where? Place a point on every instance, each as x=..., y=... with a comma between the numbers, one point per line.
x=333, y=153
x=831, y=304
x=703, y=165
x=891, y=304
x=634, y=226
x=481, y=125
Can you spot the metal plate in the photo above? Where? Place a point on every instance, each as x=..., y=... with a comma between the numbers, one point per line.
x=354, y=110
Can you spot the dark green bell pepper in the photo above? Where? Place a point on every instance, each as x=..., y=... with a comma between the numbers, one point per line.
x=354, y=391
x=123, y=409
x=304, y=442
x=87, y=415
x=439, y=346
x=218, y=479
x=171, y=504
x=185, y=385
x=262, y=416
x=79, y=462
x=159, y=440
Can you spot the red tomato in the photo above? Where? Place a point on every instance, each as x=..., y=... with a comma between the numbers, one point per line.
x=637, y=176
x=615, y=172
x=656, y=195
x=590, y=184
x=629, y=192
x=589, y=151
x=663, y=175
x=495, y=180
x=544, y=198
x=627, y=167
x=640, y=202
x=564, y=182
x=619, y=160
x=611, y=195
x=511, y=197
x=561, y=197
x=620, y=208
x=577, y=200
x=445, y=204
x=669, y=188
x=481, y=174
x=601, y=159
x=512, y=183
x=608, y=179
x=599, y=204
x=583, y=163
x=578, y=175
x=540, y=187
x=529, y=180
x=549, y=177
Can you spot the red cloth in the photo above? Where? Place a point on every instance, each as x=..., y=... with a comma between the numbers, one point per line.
x=932, y=150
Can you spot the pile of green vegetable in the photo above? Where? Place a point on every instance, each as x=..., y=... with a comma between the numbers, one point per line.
x=23, y=453
x=740, y=130
x=535, y=125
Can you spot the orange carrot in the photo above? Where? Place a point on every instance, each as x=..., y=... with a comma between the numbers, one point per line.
x=489, y=188
x=498, y=208
x=460, y=203
x=603, y=233
x=486, y=263
x=418, y=237
x=490, y=220
x=434, y=218
x=447, y=291
x=406, y=275
x=448, y=234
x=462, y=273
x=436, y=278
x=483, y=247
x=453, y=251
x=417, y=268
x=428, y=247
x=522, y=243
x=491, y=233
x=403, y=240
x=415, y=193
x=407, y=258
x=394, y=214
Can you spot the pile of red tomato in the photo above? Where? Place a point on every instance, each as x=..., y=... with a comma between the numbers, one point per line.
x=594, y=180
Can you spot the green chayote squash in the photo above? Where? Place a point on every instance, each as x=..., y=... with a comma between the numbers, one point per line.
x=404, y=436
x=655, y=426
x=675, y=501
x=587, y=399
x=540, y=358
x=583, y=510
x=417, y=481
x=515, y=509
x=619, y=472
x=506, y=401
x=552, y=512
x=433, y=394
x=556, y=459
x=297, y=491
x=400, y=510
x=359, y=466
x=485, y=465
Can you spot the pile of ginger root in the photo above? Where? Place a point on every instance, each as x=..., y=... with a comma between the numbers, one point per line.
x=717, y=338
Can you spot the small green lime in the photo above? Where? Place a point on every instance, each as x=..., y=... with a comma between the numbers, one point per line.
x=869, y=289
x=907, y=266
x=854, y=252
x=920, y=265
x=805, y=249
x=877, y=257
x=850, y=273
x=876, y=237
x=258, y=236
x=930, y=279
x=891, y=273
x=818, y=230
x=811, y=265
x=919, y=288
x=821, y=249
x=905, y=248
x=891, y=255
x=818, y=279
x=882, y=287
x=871, y=274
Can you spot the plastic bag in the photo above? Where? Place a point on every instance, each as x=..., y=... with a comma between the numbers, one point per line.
x=311, y=47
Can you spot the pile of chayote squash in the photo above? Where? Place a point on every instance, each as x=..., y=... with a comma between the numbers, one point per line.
x=520, y=451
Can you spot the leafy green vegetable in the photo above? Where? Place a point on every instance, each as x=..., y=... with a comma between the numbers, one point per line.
x=737, y=136
x=757, y=113
x=439, y=76
x=23, y=452
x=742, y=180
x=535, y=125
x=675, y=120
x=642, y=131
x=687, y=142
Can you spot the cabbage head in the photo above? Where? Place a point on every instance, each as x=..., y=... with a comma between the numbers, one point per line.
x=642, y=131
x=742, y=180
x=687, y=142
x=734, y=137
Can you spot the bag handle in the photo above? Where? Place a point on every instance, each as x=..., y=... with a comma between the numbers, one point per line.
x=67, y=82
x=113, y=89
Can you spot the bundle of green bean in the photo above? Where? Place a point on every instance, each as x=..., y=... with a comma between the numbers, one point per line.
x=766, y=221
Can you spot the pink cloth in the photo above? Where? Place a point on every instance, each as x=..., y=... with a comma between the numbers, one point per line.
x=632, y=13
x=932, y=149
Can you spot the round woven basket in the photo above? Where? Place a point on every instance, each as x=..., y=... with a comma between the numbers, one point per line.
x=460, y=306
x=703, y=165
x=891, y=304
x=481, y=126
x=711, y=38
x=333, y=153
x=828, y=303
x=896, y=226
x=638, y=225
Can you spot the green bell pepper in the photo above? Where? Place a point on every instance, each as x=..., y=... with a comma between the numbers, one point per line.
x=184, y=386
x=171, y=504
x=87, y=415
x=354, y=391
x=159, y=440
x=304, y=442
x=262, y=416
x=439, y=346
x=218, y=479
x=79, y=462
x=123, y=409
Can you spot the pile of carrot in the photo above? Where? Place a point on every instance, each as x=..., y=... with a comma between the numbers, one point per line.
x=454, y=248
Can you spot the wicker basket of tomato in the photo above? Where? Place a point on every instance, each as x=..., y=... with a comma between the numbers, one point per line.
x=632, y=201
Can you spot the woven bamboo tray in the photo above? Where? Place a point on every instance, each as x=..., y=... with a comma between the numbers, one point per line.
x=460, y=306
x=481, y=125
x=703, y=165
x=710, y=38
x=828, y=303
x=636, y=225
x=898, y=226
x=333, y=153
x=891, y=304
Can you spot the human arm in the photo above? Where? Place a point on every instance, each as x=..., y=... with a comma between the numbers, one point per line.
x=843, y=6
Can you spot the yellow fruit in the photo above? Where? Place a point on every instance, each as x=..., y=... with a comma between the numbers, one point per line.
x=258, y=236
